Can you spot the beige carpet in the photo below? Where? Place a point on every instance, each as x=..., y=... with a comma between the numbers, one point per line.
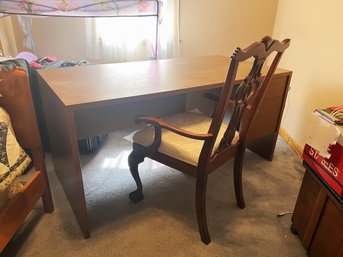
x=164, y=223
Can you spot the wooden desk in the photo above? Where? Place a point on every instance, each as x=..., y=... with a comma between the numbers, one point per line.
x=86, y=101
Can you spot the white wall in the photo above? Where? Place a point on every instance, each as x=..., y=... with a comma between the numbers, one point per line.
x=315, y=56
x=218, y=27
x=63, y=38
x=7, y=37
x=207, y=27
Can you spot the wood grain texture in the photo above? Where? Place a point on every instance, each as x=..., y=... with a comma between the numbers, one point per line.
x=264, y=130
x=63, y=142
x=302, y=212
x=315, y=216
x=13, y=215
x=328, y=238
x=16, y=99
x=102, y=84
x=318, y=217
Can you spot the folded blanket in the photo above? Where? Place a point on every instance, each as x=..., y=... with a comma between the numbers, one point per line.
x=13, y=159
x=9, y=193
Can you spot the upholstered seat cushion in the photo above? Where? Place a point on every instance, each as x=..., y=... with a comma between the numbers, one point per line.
x=181, y=147
x=13, y=159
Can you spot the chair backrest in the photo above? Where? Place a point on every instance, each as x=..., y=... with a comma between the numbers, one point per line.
x=16, y=99
x=247, y=96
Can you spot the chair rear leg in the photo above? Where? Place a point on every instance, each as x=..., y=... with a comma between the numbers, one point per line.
x=238, y=166
x=200, y=203
x=134, y=159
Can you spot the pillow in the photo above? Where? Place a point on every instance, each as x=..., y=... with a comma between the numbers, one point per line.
x=13, y=159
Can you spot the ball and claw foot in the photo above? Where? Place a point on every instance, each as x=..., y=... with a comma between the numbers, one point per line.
x=136, y=196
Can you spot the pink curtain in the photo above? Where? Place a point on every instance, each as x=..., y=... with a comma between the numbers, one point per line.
x=80, y=8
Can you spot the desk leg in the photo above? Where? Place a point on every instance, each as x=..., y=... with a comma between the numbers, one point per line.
x=63, y=144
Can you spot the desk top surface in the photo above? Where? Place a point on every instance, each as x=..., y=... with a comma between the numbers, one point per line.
x=94, y=85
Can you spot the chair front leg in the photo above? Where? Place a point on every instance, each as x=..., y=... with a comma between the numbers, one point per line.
x=238, y=166
x=200, y=203
x=135, y=158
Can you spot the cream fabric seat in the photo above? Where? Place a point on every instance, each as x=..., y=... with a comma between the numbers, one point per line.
x=181, y=147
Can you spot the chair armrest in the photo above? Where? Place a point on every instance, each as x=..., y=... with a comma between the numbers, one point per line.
x=162, y=124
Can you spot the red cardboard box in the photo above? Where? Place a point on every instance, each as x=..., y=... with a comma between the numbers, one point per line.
x=323, y=150
x=330, y=169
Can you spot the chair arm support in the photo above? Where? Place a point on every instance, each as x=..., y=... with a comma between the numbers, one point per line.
x=162, y=124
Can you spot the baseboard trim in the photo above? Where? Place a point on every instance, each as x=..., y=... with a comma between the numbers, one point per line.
x=291, y=142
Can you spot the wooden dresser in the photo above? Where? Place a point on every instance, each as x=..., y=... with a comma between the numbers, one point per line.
x=318, y=217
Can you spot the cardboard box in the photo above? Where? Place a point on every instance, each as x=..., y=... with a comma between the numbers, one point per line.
x=330, y=169
x=323, y=151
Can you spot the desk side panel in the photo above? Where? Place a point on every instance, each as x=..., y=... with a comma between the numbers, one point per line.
x=265, y=127
x=63, y=144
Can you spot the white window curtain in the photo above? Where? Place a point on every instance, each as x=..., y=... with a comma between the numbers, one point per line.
x=120, y=39
x=25, y=23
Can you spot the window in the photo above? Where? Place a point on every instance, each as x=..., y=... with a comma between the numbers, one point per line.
x=120, y=39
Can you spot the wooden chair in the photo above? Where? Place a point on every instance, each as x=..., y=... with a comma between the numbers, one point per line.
x=197, y=145
x=15, y=98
